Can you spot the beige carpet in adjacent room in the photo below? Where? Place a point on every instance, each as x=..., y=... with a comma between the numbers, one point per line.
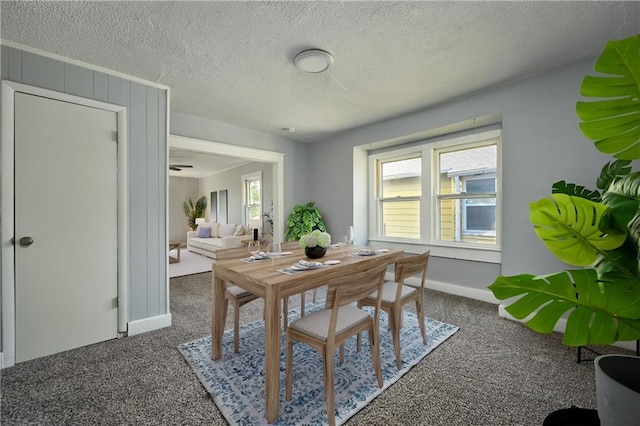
x=190, y=263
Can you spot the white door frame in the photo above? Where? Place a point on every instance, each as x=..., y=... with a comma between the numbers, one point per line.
x=253, y=154
x=9, y=88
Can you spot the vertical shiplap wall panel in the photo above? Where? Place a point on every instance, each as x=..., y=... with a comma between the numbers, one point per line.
x=100, y=87
x=15, y=64
x=42, y=72
x=4, y=63
x=125, y=89
x=138, y=200
x=78, y=81
x=163, y=171
x=116, y=95
x=153, y=198
x=146, y=163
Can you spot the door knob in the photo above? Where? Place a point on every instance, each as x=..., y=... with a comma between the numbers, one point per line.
x=26, y=241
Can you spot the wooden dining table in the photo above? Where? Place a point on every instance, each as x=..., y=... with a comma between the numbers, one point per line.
x=264, y=280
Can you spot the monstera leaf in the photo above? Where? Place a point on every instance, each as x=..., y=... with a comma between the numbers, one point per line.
x=611, y=171
x=570, y=228
x=614, y=123
x=599, y=312
x=623, y=200
x=562, y=187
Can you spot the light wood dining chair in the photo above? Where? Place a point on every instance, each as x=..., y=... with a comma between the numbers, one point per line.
x=234, y=294
x=396, y=294
x=327, y=329
x=240, y=297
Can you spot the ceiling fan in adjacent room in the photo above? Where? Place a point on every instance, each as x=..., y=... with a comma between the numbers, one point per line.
x=179, y=167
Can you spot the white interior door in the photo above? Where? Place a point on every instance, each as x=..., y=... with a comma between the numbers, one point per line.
x=66, y=280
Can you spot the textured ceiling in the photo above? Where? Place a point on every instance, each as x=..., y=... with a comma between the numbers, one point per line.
x=233, y=61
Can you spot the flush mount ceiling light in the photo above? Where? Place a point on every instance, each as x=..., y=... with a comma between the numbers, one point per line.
x=313, y=60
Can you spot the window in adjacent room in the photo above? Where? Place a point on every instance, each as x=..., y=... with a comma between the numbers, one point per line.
x=252, y=185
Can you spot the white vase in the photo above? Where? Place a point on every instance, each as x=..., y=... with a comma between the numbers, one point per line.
x=618, y=389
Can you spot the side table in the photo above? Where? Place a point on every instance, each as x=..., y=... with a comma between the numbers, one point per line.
x=174, y=245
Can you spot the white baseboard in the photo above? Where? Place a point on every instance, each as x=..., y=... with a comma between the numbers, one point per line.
x=455, y=289
x=560, y=327
x=148, y=324
x=1, y=360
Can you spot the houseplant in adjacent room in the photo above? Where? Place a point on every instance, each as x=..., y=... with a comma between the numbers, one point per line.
x=598, y=230
x=303, y=219
x=192, y=212
x=315, y=244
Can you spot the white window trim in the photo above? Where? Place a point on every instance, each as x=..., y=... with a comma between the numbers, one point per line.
x=257, y=175
x=428, y=239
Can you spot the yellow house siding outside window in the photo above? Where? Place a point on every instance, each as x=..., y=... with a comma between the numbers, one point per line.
x=401, y=188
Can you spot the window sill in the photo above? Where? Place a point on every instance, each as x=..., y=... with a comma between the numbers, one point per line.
x=476, y=254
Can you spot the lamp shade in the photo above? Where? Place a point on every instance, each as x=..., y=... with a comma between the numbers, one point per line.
x=200, y=221
x=255, y=223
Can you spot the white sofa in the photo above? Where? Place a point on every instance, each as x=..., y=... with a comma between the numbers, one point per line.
x=220, y=236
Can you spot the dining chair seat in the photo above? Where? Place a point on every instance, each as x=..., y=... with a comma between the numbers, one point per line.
x=237, y=292
x=316, y=323
x=389, y=292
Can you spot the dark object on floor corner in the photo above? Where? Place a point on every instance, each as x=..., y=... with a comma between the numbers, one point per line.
x=573, y=416
x=580, y=359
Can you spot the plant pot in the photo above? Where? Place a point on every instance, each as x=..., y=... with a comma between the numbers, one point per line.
x=315, y=252
x=618, y=389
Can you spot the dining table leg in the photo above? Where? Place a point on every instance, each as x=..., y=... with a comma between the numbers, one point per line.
x=217, y=315
x=272, y=353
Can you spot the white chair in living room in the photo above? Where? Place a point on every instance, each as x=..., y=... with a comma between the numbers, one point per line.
x=396, y=294
x=328, y=329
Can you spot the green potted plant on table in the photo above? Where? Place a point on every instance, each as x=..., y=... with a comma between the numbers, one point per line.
x=599, y=230
x=303, y=219
x=192, y=212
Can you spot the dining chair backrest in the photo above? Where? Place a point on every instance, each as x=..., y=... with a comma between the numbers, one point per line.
x=290, y=245
x=411, y=266
x=351, y=288
x=231, y=253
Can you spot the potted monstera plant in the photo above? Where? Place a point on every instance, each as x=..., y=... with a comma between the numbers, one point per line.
x=597, y=230
x=303, y=219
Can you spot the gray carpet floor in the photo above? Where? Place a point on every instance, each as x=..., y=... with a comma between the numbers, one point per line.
x=492, y=372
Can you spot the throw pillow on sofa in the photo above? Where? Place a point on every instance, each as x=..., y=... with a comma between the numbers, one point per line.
x=204, y=232
x=226, y=230
x=214, y=228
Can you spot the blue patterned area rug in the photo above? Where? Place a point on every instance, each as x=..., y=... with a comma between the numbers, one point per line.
x=236, y=381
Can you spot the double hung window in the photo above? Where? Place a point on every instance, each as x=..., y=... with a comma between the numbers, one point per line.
x=252, y=185
x=443, y=193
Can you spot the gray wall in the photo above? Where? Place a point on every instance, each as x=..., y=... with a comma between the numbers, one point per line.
x=147, y=168
x=231, y=180
x=541, y=144
x=180, y=190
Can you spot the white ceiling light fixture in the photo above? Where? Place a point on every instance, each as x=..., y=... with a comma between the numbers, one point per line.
x=313, y=60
